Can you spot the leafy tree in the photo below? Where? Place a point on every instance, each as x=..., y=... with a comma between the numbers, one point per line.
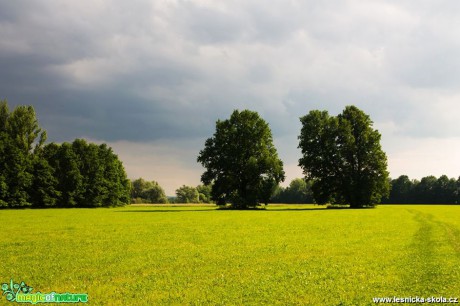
x=204, y=192
x=137, y=188
x=445, y=189
x=343, y=157
x=4, y=113
x=457, y=191
x=155, y=194
x=401, y=190
x=429, y=190
x=90, y=169
x=241, y=161
x=88, y=175
x=187, y=194
x=18, y=176
x=414, y=195
x=3, y=168
x=266, y=189
x=67, y=175
x=103, y=181
x=298, y=192
x=277, y=195
x=150, y=192
x=19, y=132
x=44, y=191
x=22, y=126
x=65, y=162
x=425, y=190
x=114, y=181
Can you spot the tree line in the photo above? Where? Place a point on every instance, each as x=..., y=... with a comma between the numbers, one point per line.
x=298, y=192
x=77, y=174
x=342, y=161
x=143, y=191
x=428, y=190
x=403, y=190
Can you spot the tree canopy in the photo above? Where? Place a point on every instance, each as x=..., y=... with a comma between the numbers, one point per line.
x=428, y=190
x=204, y=193
x=74, y=174
x=187, y=194
x=147, y=192
x=298, y=192
x=342, y=160
x=343, y=157
x=20, y=140
x=241, y=161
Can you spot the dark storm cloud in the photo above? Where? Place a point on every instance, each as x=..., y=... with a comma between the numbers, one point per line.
x=165, y=71
x=41, y=61
x=157, y=61
x=94, y=75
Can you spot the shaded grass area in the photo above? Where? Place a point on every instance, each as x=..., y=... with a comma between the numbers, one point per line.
x=197, y=255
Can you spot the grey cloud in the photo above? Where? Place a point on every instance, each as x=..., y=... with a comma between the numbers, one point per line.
x=210, y=26
x=167, y=70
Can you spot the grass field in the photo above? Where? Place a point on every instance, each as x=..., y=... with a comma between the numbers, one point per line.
x=285, y=255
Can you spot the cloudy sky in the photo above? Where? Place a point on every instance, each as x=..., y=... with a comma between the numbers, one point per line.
x=150, y=78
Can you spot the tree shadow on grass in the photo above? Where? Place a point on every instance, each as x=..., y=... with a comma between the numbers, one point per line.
x=293, y=209
x=164, y=210
x=296, y=209
x=320, y=208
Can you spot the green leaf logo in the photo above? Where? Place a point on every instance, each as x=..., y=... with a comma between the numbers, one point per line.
x=12, y=289
x=10, y=297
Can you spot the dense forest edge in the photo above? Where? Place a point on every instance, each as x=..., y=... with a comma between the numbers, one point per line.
x=35, y=174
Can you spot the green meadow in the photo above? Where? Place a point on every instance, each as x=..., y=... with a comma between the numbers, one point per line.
x=198, y=255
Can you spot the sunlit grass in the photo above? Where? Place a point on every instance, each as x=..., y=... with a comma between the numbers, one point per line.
x=199, y=255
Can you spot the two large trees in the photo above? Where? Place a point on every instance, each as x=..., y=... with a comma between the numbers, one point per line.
x=343, y=157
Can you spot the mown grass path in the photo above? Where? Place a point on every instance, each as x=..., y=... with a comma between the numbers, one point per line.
x=285, y=255
x=435, y=254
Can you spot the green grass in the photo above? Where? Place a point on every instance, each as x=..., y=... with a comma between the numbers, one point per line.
x=285, y=255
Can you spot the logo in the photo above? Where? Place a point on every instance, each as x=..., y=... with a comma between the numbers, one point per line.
x=21, y=293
